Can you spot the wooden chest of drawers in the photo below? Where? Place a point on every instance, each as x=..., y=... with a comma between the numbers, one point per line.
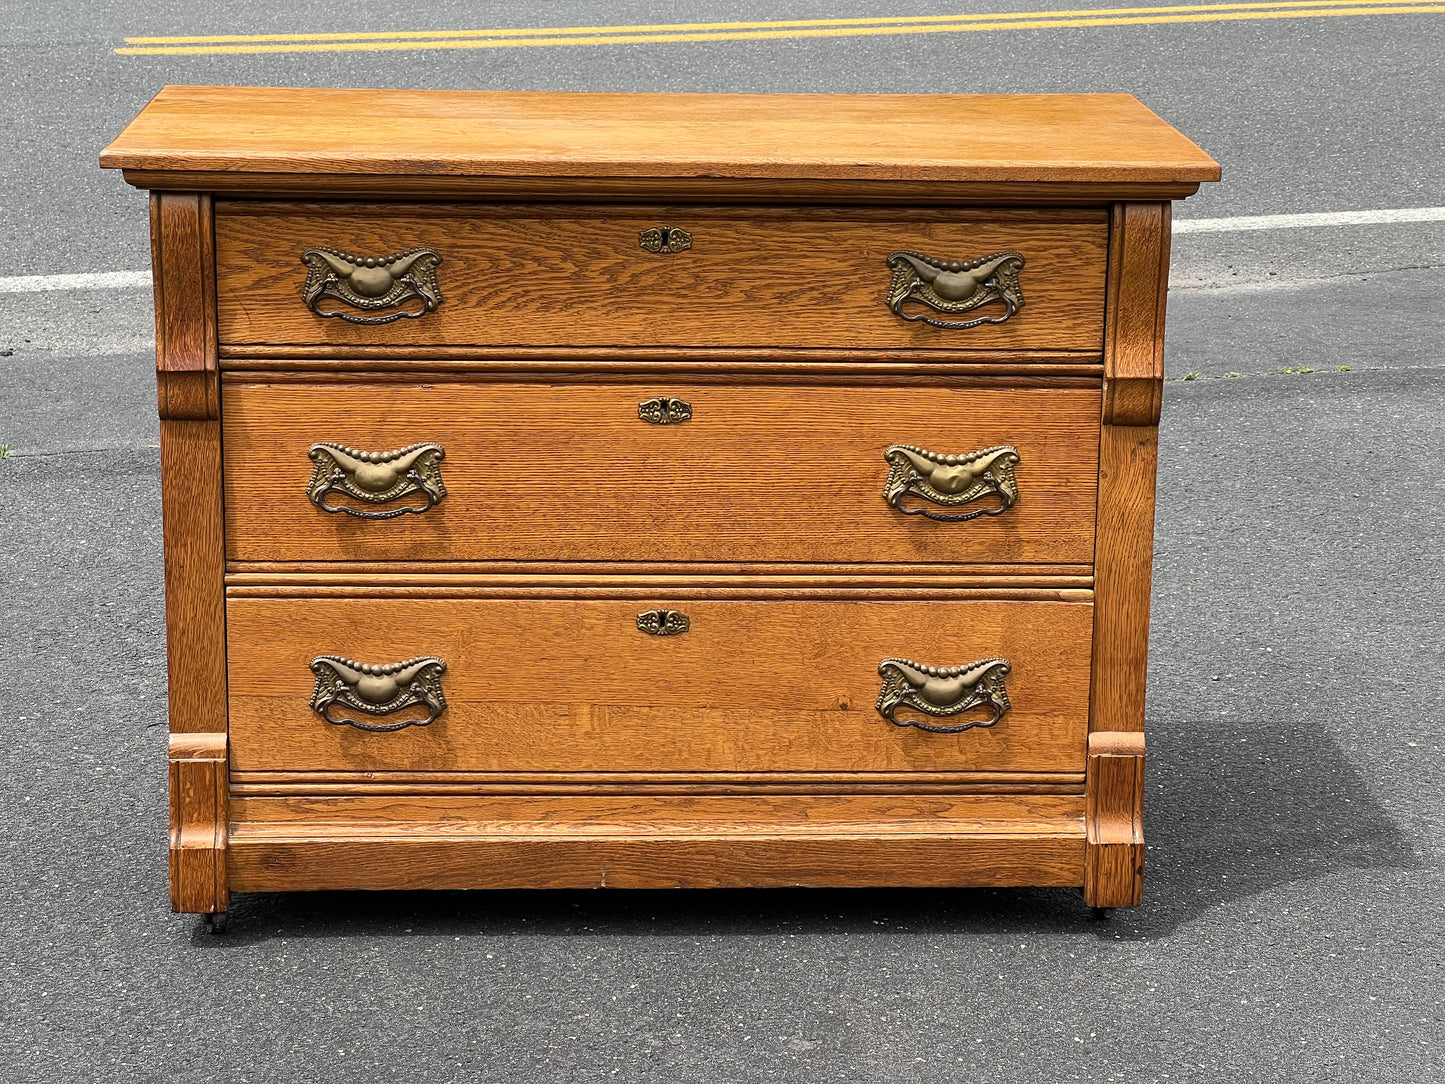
x=653, y=490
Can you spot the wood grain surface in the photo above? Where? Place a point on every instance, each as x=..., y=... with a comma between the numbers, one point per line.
x=1125, y=565
x=759, y=277
x=1019, y=138
x=647, y=815
x=192, y=530
x=323, y=859
x=546, y=685
x=537, y=472
x=283, y=844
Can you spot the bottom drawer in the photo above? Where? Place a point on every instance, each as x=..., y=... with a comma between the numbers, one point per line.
x=549, y=685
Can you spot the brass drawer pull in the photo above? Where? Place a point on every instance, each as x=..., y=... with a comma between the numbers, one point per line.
x=665, y=240
x=376, y=477
x=951, y=480
x=371, y=283
x=943, y=693
x=663, y=622
x=664, y=411
x=378, y=690
x=953, y=287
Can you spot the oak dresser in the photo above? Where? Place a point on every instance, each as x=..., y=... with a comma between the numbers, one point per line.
x=656, y=490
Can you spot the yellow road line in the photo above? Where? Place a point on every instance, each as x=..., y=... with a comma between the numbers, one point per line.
x=781, y=24
x=816, y=28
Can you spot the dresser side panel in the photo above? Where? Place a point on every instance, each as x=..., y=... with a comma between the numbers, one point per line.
x=1124, y=550
x=195, y=573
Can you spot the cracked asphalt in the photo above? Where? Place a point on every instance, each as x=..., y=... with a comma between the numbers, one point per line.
x=1292, y=924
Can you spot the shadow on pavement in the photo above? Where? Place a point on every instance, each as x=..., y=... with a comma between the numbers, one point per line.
x=1228, y=819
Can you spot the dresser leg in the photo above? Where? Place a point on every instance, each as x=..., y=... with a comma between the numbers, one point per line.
x=199, y=823
x=1114, y=820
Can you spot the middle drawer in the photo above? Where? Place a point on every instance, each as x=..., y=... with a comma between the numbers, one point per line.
x=660, y=472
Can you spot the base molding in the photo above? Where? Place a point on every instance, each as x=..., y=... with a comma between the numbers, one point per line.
x=654, y=841
x=258, y=863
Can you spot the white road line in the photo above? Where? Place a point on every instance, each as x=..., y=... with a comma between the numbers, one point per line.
x=1290, y=222
x=104, y=280
x=135, y=280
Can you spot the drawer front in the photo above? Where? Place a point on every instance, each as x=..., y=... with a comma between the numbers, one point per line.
x=565, y=685
x=778, y=277
x=769, y=473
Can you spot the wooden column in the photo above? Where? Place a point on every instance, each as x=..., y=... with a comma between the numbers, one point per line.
x=1124, y=550
x=188, y=398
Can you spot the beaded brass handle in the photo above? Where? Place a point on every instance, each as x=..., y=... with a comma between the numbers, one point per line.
x=378, y=690
x=371, y=284
x=951, y=481
x=954, y=287
x=376, y=478
x=943, y=693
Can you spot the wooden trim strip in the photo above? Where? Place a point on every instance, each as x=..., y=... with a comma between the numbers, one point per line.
x=332, y=187
x=637, y=778
x=287, y=790
x=244, y=572
x=378, y=576
x=778, y=212
x=287, y=784
x=643, y=789
x=737, y=594
x=730, y=363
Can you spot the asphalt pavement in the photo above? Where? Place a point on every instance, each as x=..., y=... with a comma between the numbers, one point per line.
x=1292, y=924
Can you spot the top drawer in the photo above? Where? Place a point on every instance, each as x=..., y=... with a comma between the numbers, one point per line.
x=584, y=276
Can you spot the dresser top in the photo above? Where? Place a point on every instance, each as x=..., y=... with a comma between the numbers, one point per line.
x=1052, y=139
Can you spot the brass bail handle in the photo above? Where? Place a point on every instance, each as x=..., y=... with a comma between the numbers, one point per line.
x=377, y=478
x=371, y=285
x=955, y=287
x=918, y=478
x=377, y=690
x=943, y=693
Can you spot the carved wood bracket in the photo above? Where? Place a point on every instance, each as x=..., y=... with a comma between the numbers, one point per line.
x=183, y=258
x=1134, y=313
x=199, y=823
x=1114, y=819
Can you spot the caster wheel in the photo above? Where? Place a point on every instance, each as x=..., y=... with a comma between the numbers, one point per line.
x=1101, y=914
x=216, y=922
